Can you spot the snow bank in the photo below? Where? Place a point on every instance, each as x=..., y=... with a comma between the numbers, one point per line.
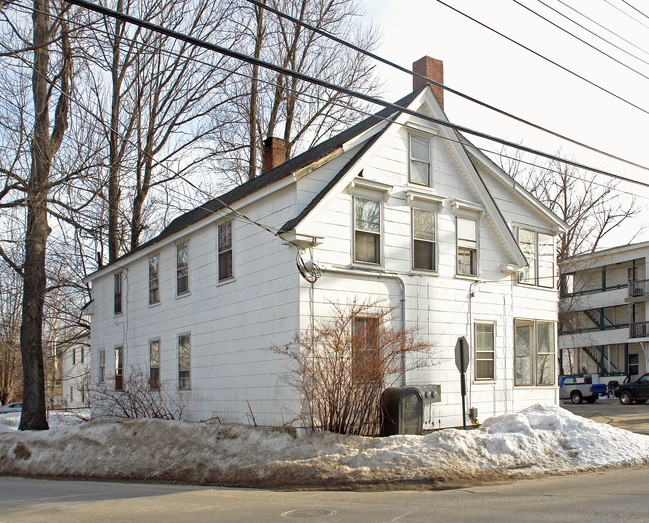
x=537, y=440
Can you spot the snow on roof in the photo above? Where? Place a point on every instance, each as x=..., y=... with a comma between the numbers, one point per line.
x=538, y=440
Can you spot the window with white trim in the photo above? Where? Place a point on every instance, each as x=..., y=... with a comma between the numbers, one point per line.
x=225, y=250
x=419, y=151
x=154, y=364
x=538, y=249
x=117, y=293
x=484, y=351
x=182, y=268
x=367, y=230
x=467, y=247
x=184, y=362
x=424, y=239
x=154, y=287
x=534, y=352
x=101, y=373
x=119, y=368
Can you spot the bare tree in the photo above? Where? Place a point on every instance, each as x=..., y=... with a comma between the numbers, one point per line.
x=341, y=368
x=10, y=363
x=274, y=104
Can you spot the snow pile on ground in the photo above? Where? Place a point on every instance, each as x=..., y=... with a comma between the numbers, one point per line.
x=55, y=418
x=537, y=440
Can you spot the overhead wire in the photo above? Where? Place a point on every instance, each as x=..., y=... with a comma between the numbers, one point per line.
x=541, y=56
x=438, y=84
x=627, y=14
x=580, y=39
x=328, y=85
x=635, y=9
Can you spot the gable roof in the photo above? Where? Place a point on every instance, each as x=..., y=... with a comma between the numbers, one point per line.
x=296, y=163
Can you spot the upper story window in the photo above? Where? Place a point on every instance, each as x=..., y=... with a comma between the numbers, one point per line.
x=424, y=239
x=225, y=250
x=420, y=149
x=154, y=289
x=467, y=247
x=117, y=293
x=367, y=230
x=538, y=249
x=182, y=268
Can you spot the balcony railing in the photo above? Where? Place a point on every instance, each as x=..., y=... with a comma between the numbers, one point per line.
x=639, y=288
x=640, y=329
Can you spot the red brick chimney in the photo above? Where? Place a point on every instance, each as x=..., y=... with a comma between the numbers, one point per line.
x=432, y=69
x=274, y=152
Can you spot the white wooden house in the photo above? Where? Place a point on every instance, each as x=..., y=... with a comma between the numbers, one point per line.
x=395, y=207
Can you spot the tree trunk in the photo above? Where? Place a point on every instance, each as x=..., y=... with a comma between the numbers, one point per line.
x=254, y=95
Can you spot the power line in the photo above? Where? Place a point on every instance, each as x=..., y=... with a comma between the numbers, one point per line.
x=627, y=14
x=581, y=39
x=327, y=85
x=635, y=9
x=536, y=53
x=445, y=87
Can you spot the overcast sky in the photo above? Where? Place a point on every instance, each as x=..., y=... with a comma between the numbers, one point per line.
x=494, y=70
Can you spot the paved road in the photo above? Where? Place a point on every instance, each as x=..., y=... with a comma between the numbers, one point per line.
x=630, y=417
x=613, y=495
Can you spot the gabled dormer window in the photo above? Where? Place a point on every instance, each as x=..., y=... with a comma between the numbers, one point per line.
x=467, y=247
x=420, y=159
x=367, y=230
x=538, y=249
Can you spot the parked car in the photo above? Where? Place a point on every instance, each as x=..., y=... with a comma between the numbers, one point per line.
x=637, y=391
x=11, y=407
x=577, y=389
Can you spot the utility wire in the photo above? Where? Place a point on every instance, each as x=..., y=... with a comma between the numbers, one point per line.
x=627, y=14
x=612, y=44
x=603, y=27
x=581, y=39
x=635, y=9
x=327, y=85
x=536, y=53
x=443, y=86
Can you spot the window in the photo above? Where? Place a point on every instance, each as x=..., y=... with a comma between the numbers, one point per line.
x=365, y=353
x=467, y=247
x=367, y=230
x=419, y=160
x=538, y=249
x=119, y=368
x=154, y=364
x=484, y=351
x=182, y=268
x=117, y=295
x=184, y=362
x=154, y=288
x=567, y=284
x=225, y=250
x=423, y=234
x=634, y=364
x=534, y=352
x=74, y=356
x=102, y=366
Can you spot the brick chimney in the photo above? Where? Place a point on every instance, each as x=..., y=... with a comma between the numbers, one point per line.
x=274, y=152
x=433, y=69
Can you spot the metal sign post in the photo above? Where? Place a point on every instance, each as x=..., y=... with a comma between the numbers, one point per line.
x=462, y=362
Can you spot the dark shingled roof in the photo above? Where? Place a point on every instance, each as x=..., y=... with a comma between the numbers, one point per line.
x=281, y=171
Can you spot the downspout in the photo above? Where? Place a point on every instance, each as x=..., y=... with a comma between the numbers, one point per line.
x=379, y=274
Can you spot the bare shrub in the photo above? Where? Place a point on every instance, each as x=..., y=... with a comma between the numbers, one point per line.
x=137, y=398
x=343, y=365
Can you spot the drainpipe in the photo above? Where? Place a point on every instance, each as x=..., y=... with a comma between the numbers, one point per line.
x=380, y=274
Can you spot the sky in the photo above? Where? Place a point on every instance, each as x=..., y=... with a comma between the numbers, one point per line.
x=538, y=440
x=494, y=70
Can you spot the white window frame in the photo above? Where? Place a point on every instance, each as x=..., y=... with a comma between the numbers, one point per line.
x=118, y=293
x=101, y=366
x=432, y=243
x=374, y=234
x=119, y=367
x=184, y=381
x=464, y=244
x=531, y=275
x=154, y=280
x=224, y=250
x=535, y=356
x=152, y=366
x=481, y=352
x=420, y=161
x=182, y=271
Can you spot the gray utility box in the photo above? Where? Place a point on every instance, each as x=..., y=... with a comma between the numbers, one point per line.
x=403, y=408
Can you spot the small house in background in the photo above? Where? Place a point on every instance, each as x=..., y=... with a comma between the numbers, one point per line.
x=398, y=207
x=604, y=325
